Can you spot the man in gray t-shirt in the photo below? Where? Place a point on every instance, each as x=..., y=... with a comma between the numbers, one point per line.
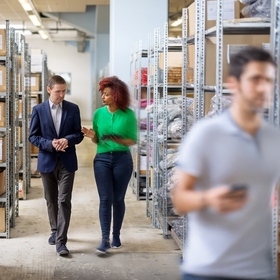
x=228, y=168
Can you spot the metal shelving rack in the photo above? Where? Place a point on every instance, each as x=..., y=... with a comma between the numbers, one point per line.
x=219, y=30
x=10, y=96
x=136, y=63
x=26, y=115
x=154, y=209
x=43, y=93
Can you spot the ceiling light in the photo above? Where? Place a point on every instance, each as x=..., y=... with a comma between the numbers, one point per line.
x=26, y=7
x=177, y=22
x=43, y=34
x=35, y=20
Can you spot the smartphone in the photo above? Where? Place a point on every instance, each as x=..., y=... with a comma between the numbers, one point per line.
x=106, y=137
x=238, y=188
x=235, y=188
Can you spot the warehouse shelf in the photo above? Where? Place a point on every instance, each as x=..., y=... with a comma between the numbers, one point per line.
x=11, y=123
x=241, y=28
x=136, y=62
x=26, y=107
x=178, y=240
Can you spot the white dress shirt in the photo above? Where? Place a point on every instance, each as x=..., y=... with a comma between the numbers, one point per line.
x=56, y=112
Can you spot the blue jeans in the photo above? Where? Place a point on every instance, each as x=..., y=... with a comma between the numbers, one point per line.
x=196, y=277
x=112, y=174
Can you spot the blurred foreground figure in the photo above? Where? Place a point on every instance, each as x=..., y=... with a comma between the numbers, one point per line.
x=228, y=169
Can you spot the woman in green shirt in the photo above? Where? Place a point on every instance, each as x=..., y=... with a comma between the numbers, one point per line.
x=114, y=130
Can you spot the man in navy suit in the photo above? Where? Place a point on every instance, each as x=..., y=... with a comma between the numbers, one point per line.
x=55, y=129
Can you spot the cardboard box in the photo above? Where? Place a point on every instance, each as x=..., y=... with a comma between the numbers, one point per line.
x=20, y=138
x=143, y=162
x=232, y=10
x=2, y=219
x=2, y=181
x=19, y=83
x=151, y=177
x=210, y=52
x=20, y=158
x=2, y=114
x=207, y=102
x=34, y=149
x=35, y=82
x=35, y=100
x=20, y=189
x=2, y=79
x=20, y=108
x=175, y=61
x=33, y=166
x=3, y=149
x=2, y=42
x=19, y=61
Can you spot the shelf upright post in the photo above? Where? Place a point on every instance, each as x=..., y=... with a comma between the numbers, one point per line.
x=184, y=97
x=155, y=129
x=44, y=77
x=202, y=55
x=148, y=214
x=7, y=115
x=16, y=126
x=12, y=157
x=199, y=59
x=27, y=87
x=165, y=128
x=24, y=115
x=274, y=117
x=139, y=57
x=219, y=56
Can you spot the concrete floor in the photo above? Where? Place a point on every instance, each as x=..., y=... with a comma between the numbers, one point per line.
x=145, y=255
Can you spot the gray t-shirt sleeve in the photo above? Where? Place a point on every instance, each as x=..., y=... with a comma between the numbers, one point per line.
x=191, y=153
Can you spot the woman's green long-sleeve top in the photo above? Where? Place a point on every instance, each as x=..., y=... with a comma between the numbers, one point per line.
x=120, y=122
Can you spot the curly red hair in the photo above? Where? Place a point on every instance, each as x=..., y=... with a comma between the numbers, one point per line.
x=120, y=92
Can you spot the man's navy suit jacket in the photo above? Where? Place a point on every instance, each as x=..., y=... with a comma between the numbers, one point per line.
x=42, y=133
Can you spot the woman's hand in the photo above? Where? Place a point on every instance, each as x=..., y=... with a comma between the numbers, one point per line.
x=90, y=133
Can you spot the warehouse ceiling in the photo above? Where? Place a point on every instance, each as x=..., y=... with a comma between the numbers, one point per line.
x=13, y=11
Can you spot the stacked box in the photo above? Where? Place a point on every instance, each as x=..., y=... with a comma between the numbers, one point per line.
x=33, y=165
x=232, y=10
x=20, y=158
x=2, y=42
x=36, y=60
x=2, y=79
x=2, y=181
x=2, y=219
x=2, y=149
x=20, y=108
x=20, y=189
x=35, y=82
x=229, y=43
x=2, y=114
x=34, y=149
x=174, y=63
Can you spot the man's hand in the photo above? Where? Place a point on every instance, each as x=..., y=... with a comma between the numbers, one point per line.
x=222, y=200
x=60, y=144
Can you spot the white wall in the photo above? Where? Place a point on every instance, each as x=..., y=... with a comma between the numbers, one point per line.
x=131, y=21
x=63, y=57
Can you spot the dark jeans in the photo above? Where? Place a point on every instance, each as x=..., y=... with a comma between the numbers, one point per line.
x=196, y=277
x=58, y=186
x=112, y=174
